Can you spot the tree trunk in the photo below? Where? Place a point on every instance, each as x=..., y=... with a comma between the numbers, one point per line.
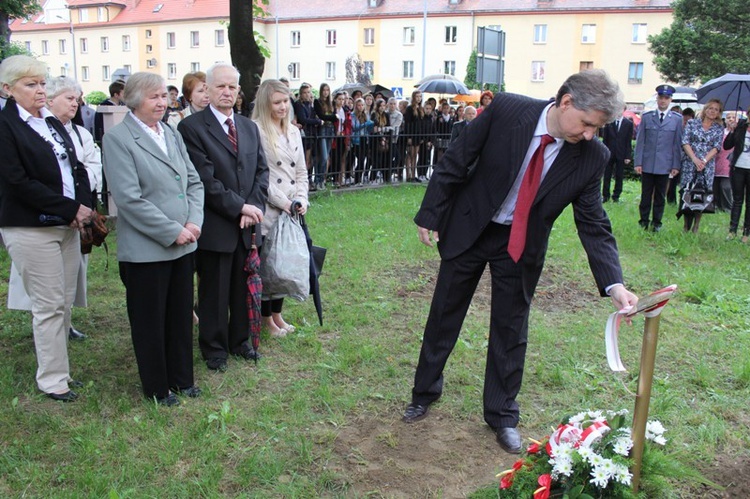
x=4, y=28
x=246, y=55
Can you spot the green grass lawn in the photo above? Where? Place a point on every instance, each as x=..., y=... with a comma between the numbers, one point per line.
x=272, y=430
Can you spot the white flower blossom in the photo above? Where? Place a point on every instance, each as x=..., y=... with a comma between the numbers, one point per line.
x=564, y=451
x=563, y=467
x=660, y=440
x=585, y=452
x=600, y=477
x=621, y=447
x=595, y=459
x=655, y=427
x=577, y=418
x=623, y=475
x=609, y=467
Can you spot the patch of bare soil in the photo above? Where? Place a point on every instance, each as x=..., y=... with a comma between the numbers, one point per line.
x=435, y=457
x=731, y=472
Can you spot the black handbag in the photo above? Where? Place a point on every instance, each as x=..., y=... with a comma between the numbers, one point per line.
x=697, y=197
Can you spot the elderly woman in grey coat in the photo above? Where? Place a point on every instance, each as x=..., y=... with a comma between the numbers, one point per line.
x=159, y=198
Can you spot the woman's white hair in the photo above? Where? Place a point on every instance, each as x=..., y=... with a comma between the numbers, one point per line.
x=137, y=85
x=62, y=84
x=16, y=67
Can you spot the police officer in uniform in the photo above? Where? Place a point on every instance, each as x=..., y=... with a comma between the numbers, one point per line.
x=658, y=149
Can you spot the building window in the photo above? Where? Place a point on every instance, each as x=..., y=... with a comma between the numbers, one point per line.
x=588, y=33
x=105, y=73
x=62, y=46
x=28, y=46
x=369, y=36
x=105, y=43
x=639, y=33
x=540, y=33
x=584, y=65
x=125, y=43
x=294, y=70
x=408, y=72
x=450, y=34
x=83, y=15
x=330, y=70
x=148, y=33
x=63, y=71
x=172, y=71
x=195, y=40
x=128, y=68
x=409, y=34
x=150, y=63
x=219, y=37
x=449, y=68
x=84, y=45
x=331, y=37
x=85, y=76
x=537, y=71
x=171, y=40
x=369, y=68
x=195, y=66
x=635, y=72
x=296, y=38
x=45, y=47
x=149, y=49
x=101, y=16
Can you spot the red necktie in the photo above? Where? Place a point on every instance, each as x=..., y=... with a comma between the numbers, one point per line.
x=526, y=195
x=232, y=133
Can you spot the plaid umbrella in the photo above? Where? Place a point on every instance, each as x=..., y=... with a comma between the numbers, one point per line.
x=254, y=292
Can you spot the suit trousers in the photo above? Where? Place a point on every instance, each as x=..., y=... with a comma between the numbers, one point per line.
x=653, y=190
x=48, y=259
x=160, y=301
x=456, y=283
x=222, y=302
x=741, y=194
x=616, y=167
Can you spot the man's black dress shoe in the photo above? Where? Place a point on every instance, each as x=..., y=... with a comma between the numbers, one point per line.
x=190, y=391
x=509, y=439
x=75, y=334
x=69, y=396
x=248, y=353
x=75, y=383
x=217, y=364
x=415, y=412
x=169, y=401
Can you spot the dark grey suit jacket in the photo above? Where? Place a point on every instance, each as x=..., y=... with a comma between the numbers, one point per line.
x=459, y=205
x=231, y=179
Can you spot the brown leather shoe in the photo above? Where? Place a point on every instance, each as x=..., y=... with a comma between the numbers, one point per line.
x=509, y=439
x=415, y=412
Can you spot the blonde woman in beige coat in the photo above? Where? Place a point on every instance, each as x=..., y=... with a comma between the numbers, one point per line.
x=287, y=183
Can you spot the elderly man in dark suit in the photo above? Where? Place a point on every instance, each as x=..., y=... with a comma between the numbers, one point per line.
x=225, y=149
x=618, y=137
x=534, y=158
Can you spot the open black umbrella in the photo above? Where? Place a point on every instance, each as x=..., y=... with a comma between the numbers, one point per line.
x=352, y=87
x=387, y=93
x=731, y=89
x=317, y=258
x=443, y=86
x=254, y=292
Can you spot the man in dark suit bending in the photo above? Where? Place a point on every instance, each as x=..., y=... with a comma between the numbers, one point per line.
x=533, y=159
x=225, y=149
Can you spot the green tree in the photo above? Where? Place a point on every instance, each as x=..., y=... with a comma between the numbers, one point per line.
x=247, y=47
x=471, y=76
x=13, y=9
x=706, y=39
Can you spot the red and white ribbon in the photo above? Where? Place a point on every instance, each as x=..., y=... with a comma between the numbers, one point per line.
x=650, y=306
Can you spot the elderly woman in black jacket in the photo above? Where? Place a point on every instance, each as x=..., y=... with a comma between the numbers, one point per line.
x=44, y=200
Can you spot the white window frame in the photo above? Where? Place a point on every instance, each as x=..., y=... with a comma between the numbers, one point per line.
x=106, y=74
x=540, y=33
x=295, y=38
x=330, y=38
x=195, y=39
x=220, y=38
x=451, y=35
x=45, y=47
x=407, y=70
x=538, y=69
x=104, y=41
x=62, y=46
x=449, y=68
x=195, y=66
x=84, y=45
x=150, y=64
x=369, y=36
x=171, y=70
x=330, y=70
x=410, y=33
x=149, y=33
x=149, y=49
x=369, y=68
x=634, y=80
x=101, y=15
x=126, y=45
x=588, y=33
x=83, y=15
x=640, y=33
x=28, y=46
x=171, y=39
x=294, y=73
x=85, y=74
x=63, y=71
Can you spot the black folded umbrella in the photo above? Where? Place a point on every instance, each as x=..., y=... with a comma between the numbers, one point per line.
x=317, y=258
x=254, y=293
